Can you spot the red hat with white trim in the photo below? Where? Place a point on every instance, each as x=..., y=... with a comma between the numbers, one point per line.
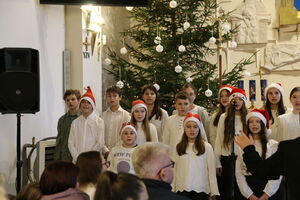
x=138, y=104
x=238, y=92
x=274, y=85
x=229, y=88
x=262, y=114
x=192, y=117
x=128, y=125
x=88, y=95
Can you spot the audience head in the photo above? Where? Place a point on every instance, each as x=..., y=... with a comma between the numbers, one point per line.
x=90, y=166
x=120, y=186
x=58, y=177
x=151, y=160
x=30, y=191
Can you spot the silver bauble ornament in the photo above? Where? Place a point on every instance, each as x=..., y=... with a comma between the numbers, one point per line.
x=233, y=44
x=173, y=4
x=159, y=48
x=120, y=84
x=107, y=61
x=178, y=69
x=208, y=93
x=226, y=27
x=186, y=25
x=181, y=48
x=123, y=50
x=157, y=40
x=189, y=79
x=212, y=40
x=157, y=87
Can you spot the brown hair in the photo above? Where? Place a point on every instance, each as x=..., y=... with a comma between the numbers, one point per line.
x=295, y=89
x=58, y=176
x=228, y=126
x=280, y=110
x=183, y=144
x=114, y=89
x=189, y=85
x=120, y=186
x=156, y=110
x=31, y=191
x=145, y=125
x=181, y=95
x=221, y=109
x=90, y=167
x=72, y=92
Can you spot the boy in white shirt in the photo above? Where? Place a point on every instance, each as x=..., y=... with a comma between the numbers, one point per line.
x=114, y=116
x=87, y=131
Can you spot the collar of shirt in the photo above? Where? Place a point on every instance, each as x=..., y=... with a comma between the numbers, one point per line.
x=118, y=110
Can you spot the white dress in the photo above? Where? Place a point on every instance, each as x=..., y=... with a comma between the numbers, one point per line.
x=289, y=126
x=160, y=123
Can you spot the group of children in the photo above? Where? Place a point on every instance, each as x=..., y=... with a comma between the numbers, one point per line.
x=201, y=147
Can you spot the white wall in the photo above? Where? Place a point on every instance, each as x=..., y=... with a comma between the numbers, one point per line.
x=26, y=23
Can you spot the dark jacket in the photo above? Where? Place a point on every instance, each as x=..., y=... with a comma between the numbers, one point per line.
x=69, y=194
x=161, y=190
x=286, y=162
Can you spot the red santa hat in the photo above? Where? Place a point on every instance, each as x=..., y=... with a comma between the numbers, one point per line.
x=138, y=104
x=238, y=92
x=274, y=85
x=192, y=117
x=263, y=115
x=88, y=95
x=229, y=88
x=128, y=125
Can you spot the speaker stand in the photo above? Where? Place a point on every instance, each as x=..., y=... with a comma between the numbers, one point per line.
x=19, y=161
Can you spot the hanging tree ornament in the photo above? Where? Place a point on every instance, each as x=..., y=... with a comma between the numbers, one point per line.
x=189, y=79
x=159, y=48
x=212, y=40
x=123, y=50
x=157, y=87
x=129, y=8
x=107, y=61
x=186, y=24
x=226, y=27
x=181, y=48
x=173, y=4
x=120, y=84
x=157, y=40
x=232, y=44
x=178, y=69
x=208, y=93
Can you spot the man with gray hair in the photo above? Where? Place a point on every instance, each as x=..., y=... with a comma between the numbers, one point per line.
x=152, y=163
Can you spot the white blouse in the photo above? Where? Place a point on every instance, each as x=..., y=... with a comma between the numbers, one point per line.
x=141, y=136
x=160, y=123
x=289, y=126
x=196, y=173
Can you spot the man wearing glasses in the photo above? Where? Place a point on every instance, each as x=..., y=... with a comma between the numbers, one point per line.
x=152, y=163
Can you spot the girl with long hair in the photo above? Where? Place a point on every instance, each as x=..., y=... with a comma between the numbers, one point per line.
x=195, y=175
x=146, y=131
x=156, y=115
x=250, y=186
x=236, y=112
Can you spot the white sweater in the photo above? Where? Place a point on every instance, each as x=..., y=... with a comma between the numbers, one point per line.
x=241, y=171
x=141, y=136
x=160, y=123
x=289, y=126
x=196, y=173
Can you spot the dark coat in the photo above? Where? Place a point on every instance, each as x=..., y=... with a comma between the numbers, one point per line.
x=286, y=162
x=69, y=194
x=161, y=190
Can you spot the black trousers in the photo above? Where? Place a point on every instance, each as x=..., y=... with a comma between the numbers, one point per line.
x=194, y=195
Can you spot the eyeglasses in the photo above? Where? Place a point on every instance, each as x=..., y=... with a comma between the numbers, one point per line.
x=172, y=164
x=106, y=163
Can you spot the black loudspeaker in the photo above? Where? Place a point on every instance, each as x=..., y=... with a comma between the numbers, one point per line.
x=19, y=80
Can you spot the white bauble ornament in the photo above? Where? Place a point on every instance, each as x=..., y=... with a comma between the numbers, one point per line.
x=212, y=40
x=233, y=44
x=120, y=84
x=181, y=48
x=173, y=4
x=157, y=40
x=178, y=69
x=226, y=27
x=157, y=87
x=186, y=25
x=208, y=93
x=129, y=8
x=107, y=61
x=247, y=74
x=123, y=50
x=189, y=79
x=159, y=48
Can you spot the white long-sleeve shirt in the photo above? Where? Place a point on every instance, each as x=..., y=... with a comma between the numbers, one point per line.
x=289, y=126
x=196, y=173
x=113, y=123
x=220, y=149
x=141, y=136
x=241, y=170
x=120, y=159
x=212, y=131
x=160, y=123
x=86, y=134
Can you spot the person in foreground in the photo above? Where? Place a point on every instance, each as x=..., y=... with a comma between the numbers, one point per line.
x=285, y=161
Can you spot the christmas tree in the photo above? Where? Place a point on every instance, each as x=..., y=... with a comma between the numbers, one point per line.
x=167, y=46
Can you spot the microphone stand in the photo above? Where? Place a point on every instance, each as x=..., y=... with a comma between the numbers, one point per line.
x=232, y=156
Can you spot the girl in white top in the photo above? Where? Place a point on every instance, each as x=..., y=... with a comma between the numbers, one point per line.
x=146, y=131
x=195, y=175
x=120, y=156
x=236, y=111
x=275, y=107
x=289, y=123
x=224, y=93
x=251, y=187
x=156, y=115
